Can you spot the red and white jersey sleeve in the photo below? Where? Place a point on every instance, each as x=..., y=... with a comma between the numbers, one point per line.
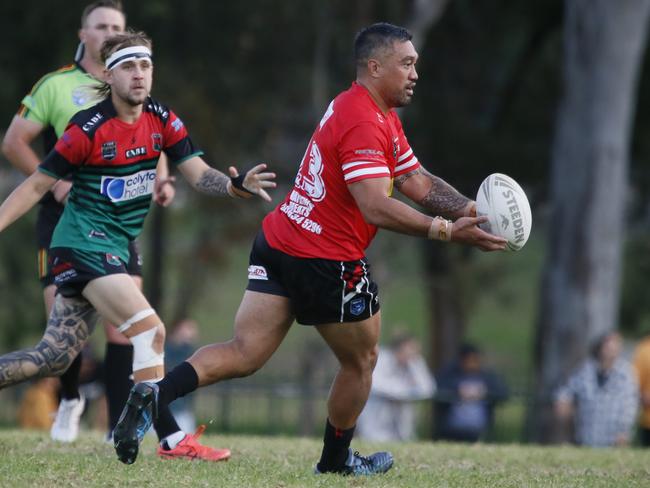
x=362, y=154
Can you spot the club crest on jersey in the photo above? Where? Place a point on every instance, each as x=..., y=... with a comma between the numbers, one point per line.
x=80, y=96
x=157, y=141
x=109, y=150
x=124, y=188
x=395, y=147
x=112, y=259
x=357, y=306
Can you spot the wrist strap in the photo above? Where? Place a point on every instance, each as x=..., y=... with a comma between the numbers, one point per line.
x=238, y=183
x=440, y=229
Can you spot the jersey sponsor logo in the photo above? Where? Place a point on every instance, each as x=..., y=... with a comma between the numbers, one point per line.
x=298, y=209
x=357, y=306
x=257, y=273
x=97, y=234
x=124, y=188
x=135, y=152
x=62, y=271
x=177, y=125
x=159, y=109
x=370, y=152
x=109, y=150
x=312, y=183
x=157, y=141
x=94, y=120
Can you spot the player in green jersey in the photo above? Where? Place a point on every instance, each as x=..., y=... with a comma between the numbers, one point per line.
x=46, y=111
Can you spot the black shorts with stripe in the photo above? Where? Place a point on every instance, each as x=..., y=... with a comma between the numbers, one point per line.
x=321, y=291
x=73, y=269
x=49, y=213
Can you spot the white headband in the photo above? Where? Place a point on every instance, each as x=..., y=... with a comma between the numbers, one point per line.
x=127, y=54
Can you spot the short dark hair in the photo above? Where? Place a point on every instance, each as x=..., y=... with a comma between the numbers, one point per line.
x=114, y=4
x=377, y=36
x=468, y=349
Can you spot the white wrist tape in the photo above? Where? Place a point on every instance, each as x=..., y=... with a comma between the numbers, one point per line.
x=440, y=229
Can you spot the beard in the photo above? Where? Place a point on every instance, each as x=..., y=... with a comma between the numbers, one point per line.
x=135, y=100
x=402, y=100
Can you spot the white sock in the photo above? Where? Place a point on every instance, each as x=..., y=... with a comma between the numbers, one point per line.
x=173, y=439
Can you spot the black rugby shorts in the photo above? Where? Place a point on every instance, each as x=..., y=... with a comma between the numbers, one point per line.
x=321, y=291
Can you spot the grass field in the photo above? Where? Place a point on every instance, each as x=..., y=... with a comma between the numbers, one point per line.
x=31, y=459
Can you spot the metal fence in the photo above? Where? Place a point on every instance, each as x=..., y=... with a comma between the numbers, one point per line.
x=282, y=407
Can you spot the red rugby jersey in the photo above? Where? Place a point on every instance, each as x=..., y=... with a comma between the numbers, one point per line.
x=319, y=218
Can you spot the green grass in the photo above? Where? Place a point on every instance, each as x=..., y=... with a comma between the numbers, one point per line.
x=31, y=459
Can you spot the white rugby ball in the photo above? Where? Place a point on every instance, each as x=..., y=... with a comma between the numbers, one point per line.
x=507, y=209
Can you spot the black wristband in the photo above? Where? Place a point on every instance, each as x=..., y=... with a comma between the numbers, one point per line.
x=238, y=183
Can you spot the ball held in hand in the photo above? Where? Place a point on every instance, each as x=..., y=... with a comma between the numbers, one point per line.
x=506, y=206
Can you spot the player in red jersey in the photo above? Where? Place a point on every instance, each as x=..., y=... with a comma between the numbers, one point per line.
x=307, y=264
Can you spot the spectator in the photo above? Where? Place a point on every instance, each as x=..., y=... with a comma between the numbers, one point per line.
x=180, y=345
x=642, y=365
x=39, y=404
x=467, y=395
x=401, y=377
x=601, y=396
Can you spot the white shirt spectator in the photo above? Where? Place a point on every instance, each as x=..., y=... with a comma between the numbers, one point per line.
x=389, y=414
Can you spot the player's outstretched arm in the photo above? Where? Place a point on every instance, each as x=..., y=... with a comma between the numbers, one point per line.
x=371, y=195
x=435, y=194
x=24, y=197
x=213, y=182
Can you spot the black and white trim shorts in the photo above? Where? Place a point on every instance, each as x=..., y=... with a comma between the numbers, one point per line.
x=321, y=291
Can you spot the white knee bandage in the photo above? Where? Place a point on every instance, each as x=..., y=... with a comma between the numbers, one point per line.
x=144, y=331
x=144, y=353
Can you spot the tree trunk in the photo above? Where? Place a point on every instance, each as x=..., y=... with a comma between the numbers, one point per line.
x=603, y=44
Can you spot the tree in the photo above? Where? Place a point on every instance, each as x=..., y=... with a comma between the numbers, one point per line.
x=603, y=45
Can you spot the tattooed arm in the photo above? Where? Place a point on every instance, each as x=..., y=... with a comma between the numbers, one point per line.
x=434, y=194
x=213, y=182
x=377, y=208
x=71, y=322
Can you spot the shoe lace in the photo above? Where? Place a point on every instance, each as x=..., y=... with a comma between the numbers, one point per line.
x=199, y=431
x=364, y=461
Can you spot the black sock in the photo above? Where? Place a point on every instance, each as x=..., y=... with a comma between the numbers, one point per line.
x=165, y=424
x=70, y=380
x=118, y=366
x=177, y=383
x=336, y=443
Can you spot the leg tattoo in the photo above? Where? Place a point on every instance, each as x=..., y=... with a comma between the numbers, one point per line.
x=71, y=322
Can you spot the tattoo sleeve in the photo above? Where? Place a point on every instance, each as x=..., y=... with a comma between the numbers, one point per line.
x=70, y=324
x=213, y=182
x=441, y=198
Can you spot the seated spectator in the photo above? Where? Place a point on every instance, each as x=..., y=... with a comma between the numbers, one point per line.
x=601, y=396
x=39, y=404
x=401, y=377
x=467, y=395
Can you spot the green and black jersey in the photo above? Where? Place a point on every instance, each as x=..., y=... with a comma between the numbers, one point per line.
x=113, y=168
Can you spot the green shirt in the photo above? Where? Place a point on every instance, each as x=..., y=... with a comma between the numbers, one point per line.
x=57, y=96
